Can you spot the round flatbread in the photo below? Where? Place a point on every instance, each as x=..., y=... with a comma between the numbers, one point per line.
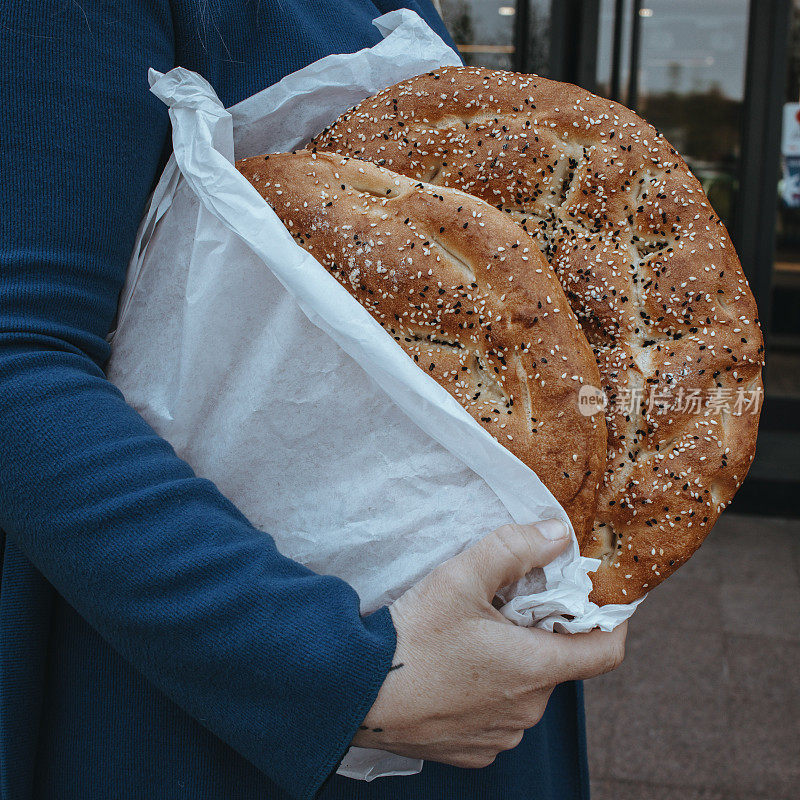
x=647, y=266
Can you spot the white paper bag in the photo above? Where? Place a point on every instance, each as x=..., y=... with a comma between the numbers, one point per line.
x=271, y=380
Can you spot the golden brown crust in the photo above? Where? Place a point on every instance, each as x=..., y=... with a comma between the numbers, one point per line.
x=465, y=293
x=647, y=266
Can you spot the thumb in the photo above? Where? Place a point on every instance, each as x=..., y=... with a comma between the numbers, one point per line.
x=510, y=552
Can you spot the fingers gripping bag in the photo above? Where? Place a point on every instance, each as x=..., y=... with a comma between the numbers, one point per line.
x=271, y=380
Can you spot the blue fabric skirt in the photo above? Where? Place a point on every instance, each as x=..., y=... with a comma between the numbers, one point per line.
x=106, y=732
x=549, y=764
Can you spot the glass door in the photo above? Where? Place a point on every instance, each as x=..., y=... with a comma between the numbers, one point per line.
x=783, y=376
x=721, y=80
x=681, y=65
x=710, y=74
x=501, y=34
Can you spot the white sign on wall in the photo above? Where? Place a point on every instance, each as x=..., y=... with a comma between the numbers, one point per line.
x=790, y=140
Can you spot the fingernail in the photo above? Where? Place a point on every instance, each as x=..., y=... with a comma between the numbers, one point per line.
x=552, y=529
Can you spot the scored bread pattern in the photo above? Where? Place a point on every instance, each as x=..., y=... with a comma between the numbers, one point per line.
x=646, y=264
x=466, y=294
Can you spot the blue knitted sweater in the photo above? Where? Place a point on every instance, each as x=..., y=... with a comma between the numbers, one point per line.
x=146, y=650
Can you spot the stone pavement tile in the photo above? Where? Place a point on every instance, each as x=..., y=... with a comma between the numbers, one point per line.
x=667, y=709
x=764, y=713
x=764, y=676
x=761, y=609
x=634, y=790
x=754, y=550
x=682, y=602
x=796, y=547
x=666, y=754
x=601, y=722
x=698, y=713
x=733, y=526
x=669, y=676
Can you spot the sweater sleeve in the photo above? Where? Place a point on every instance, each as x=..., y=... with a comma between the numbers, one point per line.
x=272, y=658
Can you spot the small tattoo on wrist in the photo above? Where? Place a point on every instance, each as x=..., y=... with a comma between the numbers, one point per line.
x=396, y=666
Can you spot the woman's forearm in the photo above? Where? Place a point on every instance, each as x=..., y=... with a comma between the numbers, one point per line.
x=273, y=659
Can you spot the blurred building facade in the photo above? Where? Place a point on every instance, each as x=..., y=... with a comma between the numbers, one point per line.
x=721, y=80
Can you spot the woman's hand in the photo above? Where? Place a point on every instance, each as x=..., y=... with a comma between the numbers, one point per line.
x=466, y=682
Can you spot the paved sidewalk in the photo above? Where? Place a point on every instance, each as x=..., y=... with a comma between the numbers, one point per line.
x=707, y=703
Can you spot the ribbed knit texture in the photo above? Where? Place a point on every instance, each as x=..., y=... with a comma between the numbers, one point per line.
x=154, y=644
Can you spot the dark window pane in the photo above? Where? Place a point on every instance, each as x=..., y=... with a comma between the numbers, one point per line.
x=692, y=59
x=485, y=32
